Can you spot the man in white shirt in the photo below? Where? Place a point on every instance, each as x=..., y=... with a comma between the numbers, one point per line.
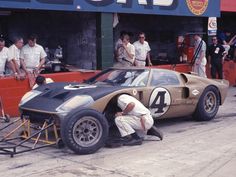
x=14, y=57
x=126, y=53
x=200, y=62
x=142, y=51
x=3, y=56
x=134, y=116
x=32, y=56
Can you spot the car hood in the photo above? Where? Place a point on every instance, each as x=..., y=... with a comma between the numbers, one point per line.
x=55, y=94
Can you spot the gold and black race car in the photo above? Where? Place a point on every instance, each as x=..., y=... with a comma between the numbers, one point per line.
x=83, y=112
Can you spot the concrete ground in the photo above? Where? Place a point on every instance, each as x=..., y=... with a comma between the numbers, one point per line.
x=189, y=149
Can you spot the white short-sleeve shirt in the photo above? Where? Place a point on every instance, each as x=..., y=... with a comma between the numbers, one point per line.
x=3, y=59
x=141, y=50
x=32, y=55
x=139, y=108
x=14, y=53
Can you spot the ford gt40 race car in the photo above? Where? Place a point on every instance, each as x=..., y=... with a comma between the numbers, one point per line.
x=83, y=112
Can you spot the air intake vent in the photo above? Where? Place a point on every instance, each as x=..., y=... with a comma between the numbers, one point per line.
x=61, y=95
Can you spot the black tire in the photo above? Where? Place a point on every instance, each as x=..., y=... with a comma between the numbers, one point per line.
x=85, y=132
x=60, y=144
x=208, y=104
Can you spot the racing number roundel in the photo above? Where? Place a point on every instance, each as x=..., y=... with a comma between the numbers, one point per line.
x=159, y=102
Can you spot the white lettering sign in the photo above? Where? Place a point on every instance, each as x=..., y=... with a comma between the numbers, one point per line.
x=163, y=2
x=144, y=2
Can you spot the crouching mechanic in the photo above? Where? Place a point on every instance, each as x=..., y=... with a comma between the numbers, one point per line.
x=134, y=116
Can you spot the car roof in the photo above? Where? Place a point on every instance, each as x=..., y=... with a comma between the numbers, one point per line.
x=140, y=68
x=130, y=68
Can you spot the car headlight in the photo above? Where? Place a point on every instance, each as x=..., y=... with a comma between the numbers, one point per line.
x=28, y=96
x=75, y=102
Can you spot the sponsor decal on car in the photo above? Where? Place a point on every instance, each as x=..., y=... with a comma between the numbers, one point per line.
x=134, y=92
x=195, y=92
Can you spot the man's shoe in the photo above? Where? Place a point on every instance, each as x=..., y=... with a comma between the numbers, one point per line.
x=133, y=142
x=114, y=142
x=154, y=131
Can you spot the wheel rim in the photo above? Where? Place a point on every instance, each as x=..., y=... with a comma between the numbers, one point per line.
x=210, y=102
x=87, y=131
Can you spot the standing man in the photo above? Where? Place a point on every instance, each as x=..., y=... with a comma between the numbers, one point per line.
x=134, y=116
x=215, y=58
x=3, y=56
x=199, y=65
x=119, y=44
x=126, y=53
x=32, y=56
x=14, y=57
x=142, y=51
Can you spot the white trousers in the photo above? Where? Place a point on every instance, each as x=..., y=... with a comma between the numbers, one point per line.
x=127, y=124
x=200, y=69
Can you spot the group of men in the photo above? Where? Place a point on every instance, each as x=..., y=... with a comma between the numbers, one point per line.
x=21, y=59
x=136, y=54
x=216, y=54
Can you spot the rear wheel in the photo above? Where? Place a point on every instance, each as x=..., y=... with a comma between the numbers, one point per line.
x=208, y=104
x=85, y=131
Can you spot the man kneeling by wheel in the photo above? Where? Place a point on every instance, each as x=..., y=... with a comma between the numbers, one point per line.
x=134, y=116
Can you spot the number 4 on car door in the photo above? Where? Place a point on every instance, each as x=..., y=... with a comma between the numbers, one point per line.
x=159, y=101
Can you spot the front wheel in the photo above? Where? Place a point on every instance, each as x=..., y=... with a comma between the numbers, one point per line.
x=85, y=131
x=208, y=104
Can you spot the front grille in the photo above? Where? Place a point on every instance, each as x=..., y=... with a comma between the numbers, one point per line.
x=39, y=117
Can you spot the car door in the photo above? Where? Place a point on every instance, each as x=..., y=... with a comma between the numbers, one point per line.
x=167, y=95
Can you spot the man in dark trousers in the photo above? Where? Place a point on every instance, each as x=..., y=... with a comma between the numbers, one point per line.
x=215, y=58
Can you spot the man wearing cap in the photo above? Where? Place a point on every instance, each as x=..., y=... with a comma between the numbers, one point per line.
x=142, y=51
x=32, y=56
x=199, y=65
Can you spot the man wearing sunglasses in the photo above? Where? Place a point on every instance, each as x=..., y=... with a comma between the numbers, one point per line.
x=215, y=58
x=142, y=51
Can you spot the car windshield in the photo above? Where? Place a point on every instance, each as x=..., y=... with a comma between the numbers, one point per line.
x=121, y=77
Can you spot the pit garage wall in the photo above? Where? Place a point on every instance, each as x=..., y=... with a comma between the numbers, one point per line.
x=74, y=31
